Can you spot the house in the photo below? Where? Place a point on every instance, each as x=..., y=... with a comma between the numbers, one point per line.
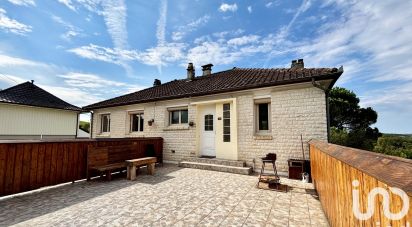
x=237, y=114
x=29, y=112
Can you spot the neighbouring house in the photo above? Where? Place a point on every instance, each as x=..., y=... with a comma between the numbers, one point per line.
x=29, y=112
x=237, y=114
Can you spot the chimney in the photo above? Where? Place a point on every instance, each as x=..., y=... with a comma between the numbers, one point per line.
x=32, y=81
x=297, y=64
x=207, y=69
x=190, y=71
x=157, y=82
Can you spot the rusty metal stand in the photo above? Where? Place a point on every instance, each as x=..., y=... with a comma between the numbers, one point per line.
x=269, y=177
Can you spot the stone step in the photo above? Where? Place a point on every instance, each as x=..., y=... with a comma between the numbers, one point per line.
x=215, y=161
x=216, y=167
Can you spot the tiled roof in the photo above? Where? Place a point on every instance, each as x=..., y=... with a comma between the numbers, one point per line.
x=235, y=79
x=29, y=94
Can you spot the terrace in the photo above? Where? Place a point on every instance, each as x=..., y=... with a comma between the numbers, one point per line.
x=173, y=196
x=177, y=196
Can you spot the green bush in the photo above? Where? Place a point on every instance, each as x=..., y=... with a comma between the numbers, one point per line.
x=395, y=145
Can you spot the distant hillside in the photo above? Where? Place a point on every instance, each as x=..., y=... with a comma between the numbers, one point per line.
x=397, y=135
x=85, y=126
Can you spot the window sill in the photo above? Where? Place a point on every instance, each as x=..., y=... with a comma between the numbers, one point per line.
x=176, y=127
x=263, y=137
x=104, y=134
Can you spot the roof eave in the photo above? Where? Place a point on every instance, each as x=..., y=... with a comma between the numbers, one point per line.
x=48, y=107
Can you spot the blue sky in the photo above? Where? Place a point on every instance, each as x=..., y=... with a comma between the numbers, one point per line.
x=85, y=51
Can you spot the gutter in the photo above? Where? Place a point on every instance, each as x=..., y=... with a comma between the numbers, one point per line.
x=327, y=90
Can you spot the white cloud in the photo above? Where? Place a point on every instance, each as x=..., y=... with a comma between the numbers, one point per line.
x=115, y=14
x=224, y=7
x=68, y=4
x=10, y=80
x=9, y=61
x=249, y=9
x=160, y=55
x=190, y=27
x=23, y=2
x=269, y=4
x=78, y=88
x=72, y=31
x=247, y=39
x=11, y=25
x=86, y=80
x=161, y=23
x=212, y=52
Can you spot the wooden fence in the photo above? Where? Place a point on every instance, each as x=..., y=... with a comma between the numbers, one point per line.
x=334, y=170
x=28, y=165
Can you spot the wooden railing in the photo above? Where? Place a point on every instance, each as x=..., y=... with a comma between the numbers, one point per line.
x=28, y=165
x=339, y=173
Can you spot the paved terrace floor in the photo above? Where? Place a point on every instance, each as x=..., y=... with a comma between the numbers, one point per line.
x=172, y=197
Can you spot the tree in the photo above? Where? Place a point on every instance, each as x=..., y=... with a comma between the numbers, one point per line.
x=395, y=145
x=350, y=123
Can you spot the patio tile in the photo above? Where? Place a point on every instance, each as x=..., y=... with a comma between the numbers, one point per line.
x=172, y=197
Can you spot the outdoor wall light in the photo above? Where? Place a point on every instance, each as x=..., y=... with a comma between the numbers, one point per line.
x=150, y=122
x=191, y=123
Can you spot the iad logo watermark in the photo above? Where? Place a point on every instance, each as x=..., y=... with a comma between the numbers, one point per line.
x=371, y=202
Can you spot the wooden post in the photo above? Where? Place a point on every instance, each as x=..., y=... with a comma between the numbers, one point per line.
x=151, y=168
x=131, y=172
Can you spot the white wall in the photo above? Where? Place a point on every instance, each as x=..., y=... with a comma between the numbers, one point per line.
x=22, y=120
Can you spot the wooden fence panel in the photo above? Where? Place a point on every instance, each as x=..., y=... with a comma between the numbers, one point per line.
x=334, y=170
x=28, y=165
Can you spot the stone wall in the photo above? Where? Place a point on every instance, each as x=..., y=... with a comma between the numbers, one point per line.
x=179, y=141
x=293, y=112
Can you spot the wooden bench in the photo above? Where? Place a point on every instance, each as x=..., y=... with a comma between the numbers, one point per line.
x=133, y=163
x=110, y=158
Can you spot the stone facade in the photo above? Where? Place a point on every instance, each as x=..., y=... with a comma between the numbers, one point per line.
x=294, y=111
x=179, y=141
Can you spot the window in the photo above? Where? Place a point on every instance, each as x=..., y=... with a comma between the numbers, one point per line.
x=226, y=122
x=178, y=117
x=263, y=117
x=209, y=122
x=105, y=123
x=136, y=122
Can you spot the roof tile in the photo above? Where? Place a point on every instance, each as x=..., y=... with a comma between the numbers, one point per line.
x=31, y=95
x=231, y=80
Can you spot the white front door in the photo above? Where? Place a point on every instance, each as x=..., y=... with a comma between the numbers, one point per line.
x=207, y=130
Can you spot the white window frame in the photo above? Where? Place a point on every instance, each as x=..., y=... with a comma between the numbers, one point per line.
x=101, y=123
x=257, y=103
x=171, y=110
x=140, y=113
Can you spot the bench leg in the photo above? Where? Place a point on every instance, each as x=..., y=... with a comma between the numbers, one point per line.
x=131, y=172
x=151, y=168
x=108, y=175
